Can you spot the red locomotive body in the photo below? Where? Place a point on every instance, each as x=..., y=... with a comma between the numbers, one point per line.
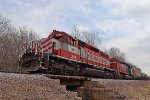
x=63, y=54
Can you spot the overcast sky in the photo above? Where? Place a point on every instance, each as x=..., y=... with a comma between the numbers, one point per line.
x=122, y=23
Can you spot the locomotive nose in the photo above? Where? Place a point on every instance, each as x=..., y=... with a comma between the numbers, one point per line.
x=29, y=62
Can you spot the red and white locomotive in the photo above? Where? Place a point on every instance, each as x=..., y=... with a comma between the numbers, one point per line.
x=61, y=53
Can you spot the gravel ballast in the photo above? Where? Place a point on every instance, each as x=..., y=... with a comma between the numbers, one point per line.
x=33, y=87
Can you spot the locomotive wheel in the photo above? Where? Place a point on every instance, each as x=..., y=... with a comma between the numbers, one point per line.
x=51, y=69
x=64, y=70
x=104, y=73
x=115, y=75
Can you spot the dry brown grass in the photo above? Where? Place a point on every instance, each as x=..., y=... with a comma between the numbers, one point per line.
x=134, y=90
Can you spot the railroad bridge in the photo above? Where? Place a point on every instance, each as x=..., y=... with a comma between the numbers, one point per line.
x=69, y=81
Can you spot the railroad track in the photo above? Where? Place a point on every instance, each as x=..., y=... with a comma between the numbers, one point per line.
x=63, y=77
x=68, y=77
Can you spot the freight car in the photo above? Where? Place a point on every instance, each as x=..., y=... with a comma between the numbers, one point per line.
x=63, y=54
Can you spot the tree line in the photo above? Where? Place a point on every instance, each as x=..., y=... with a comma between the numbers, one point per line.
x=12, y=40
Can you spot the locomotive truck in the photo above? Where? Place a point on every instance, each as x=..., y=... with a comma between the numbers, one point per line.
x=63, y=54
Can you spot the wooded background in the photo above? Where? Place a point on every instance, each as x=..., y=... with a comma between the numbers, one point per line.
x=12, y=40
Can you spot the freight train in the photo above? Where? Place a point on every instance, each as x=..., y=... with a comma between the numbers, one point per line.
x=61, y=53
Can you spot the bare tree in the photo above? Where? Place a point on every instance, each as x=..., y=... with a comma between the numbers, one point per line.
x=4, y=24
x=116, y=53
x=11, y=43
x=5, y=28
x=76, y=32
x=90, y=37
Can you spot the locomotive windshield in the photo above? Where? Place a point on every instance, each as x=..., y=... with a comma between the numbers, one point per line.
x=61, y=37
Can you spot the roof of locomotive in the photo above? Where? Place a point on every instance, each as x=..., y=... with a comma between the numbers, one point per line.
x=87, y=45
x=55, y=32
x=104, y=54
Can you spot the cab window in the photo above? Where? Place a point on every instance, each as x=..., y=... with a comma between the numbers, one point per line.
x=73, y=42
